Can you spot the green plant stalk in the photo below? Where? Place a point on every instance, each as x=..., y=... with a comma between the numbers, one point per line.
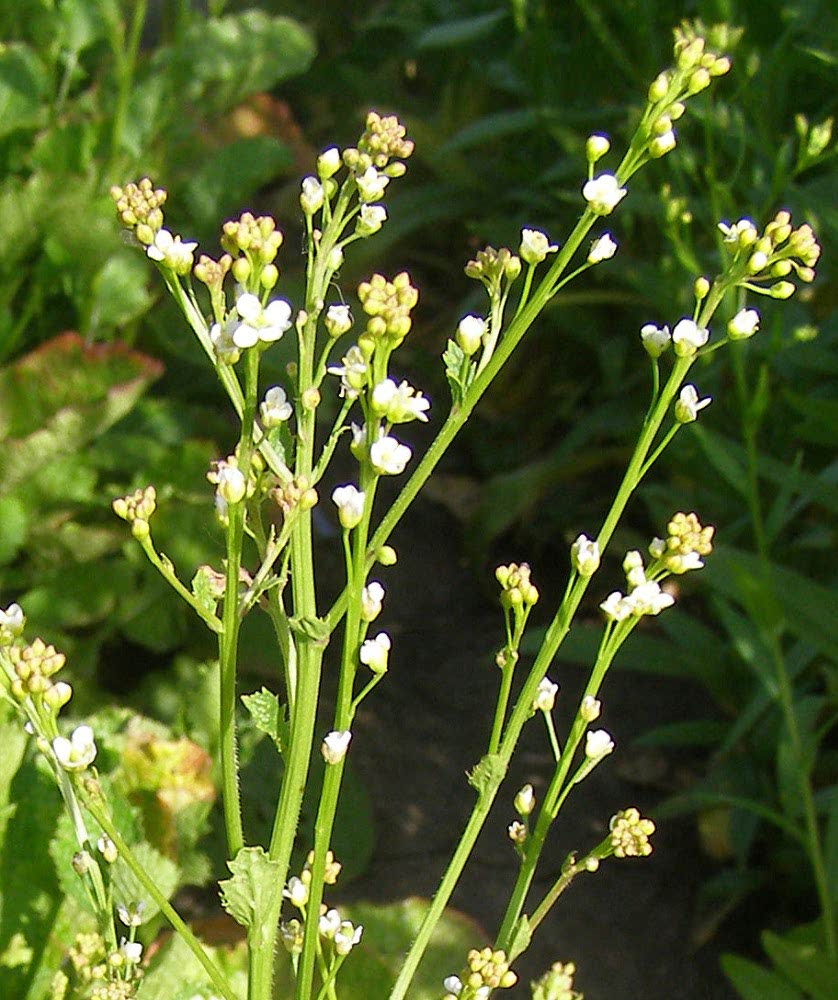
x=344, y=711
x=231, y=623
x=126, y=64
x=812, y=843
x=554, y=636
x=92, y=804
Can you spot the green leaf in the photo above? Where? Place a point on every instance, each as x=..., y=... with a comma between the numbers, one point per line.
x=24, y=89
x=755, y=982
x=129, y=891
x=459, y=371
x=175, y=973
x=454, y=33
x=119, y=292
x=14, y=522
x=805, y=965
x=692, y=733
x=247, y=894
x=487, y=773
x=267, y=716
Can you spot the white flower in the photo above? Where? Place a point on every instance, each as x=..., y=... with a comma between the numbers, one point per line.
x=329, y=923
x=743, y=232
x=260, y=324
x=388, y=457
x=312, y=195
x=590, y=708
x=370, y=219
x=350, y=504
x=375, y=653
x=648, y=599
x=596, y=147
x=682, y=563
x=655, y=339
x=347, y=936
x=598, y=743
x=132, y=951
x=335, y=745
x=328, y=162
x=688, y=336
x=371, y=599
x=453, y=985
x=688, y=404
x=132, y=917
x=221, y=335
x=296, y=892
x=107, y=848
x=169, y=250
x=603, y=194
x=602, y=249
x=12, y=621
x=743, y=325
x=615, y=607
x=371, y=184
x=470, y=333
x=535, y=246
x=352, y=373
x=275, y=409
x=338, y=320
x=662, y=144
x=584, y=556
x=545, y=696
x=525, y=801
x=398, y=404
x=633, y=568
x=231, y=485
x=657, y=547
x=77, y=752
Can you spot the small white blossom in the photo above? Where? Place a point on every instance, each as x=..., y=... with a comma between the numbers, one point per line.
x=688, y=404
x=371, y=184
x=375, y=653
x=352, y=373
x=535, y=246
x=328, y=162
x=231, y=485
x=525, y=801
x=171, y=251
x=657, y=547
x=338, y=320
x=743, y=325
x=662, y=144
x=648, y=599
x=633, y=568
x=335, y=745
x=266, y=324
x=596, y=147
x=453, y=985
x=545, y=696
x=131, y=951
x=372, y=597
x=603, y=194
x=598, y=743
x=370, y=219
x=12, y=621
x=388, y=457
x=77, y=752
x=398, y=404
x=296, y=892
x=590, y=708
x=132, y=917
x=347, y=936
x=682, y=563
x=615, y=607
x=655, y=339
x=688, y=337
x=329, y=923
x=602, y=249
x=350, y=504
x=107, y=848
x=275, y=409
x=312, y=195
x=743, y=232
x=470, y=333
x=221, y=335
x=584, y=556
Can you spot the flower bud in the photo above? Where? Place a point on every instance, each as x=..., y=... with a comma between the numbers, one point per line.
x=525, y=801
x=470, y=333
x=596, y=147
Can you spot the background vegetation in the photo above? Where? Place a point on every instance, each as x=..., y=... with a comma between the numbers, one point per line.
x=226, y=112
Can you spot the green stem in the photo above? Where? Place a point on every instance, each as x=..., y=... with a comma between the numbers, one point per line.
x=126, y=64
x=93, y=805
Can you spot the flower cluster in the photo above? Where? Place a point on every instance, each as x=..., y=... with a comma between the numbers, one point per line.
x=486, y=970
x=382, y=141
x=492, y=267
x=136, y=509
x=388, y=304
x=630, y=834
x=764, y=262
x=686, y=542
x=516, y=588
x=556, y=983
x=139, y=208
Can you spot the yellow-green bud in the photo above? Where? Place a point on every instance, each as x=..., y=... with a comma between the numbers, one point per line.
x=782, y=290
x=386, y=555
x=241, y=269
x=699, y=80
x=310, y=398
x=701, y=288
x=140, y=529
x=658, y=88
x=269, y=276
x=596, y=147
x=308, y=499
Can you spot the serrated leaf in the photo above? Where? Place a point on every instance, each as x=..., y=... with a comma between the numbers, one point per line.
x=246, y=895
x=202, y=591
x=267, y=715
x=755, y=982
x=314, y=629
x=487, y=773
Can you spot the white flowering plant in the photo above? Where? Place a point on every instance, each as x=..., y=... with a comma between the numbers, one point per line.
x=265, y=493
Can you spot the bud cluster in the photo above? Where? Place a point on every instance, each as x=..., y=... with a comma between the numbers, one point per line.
x=253, y=243
x=686, y=542
x=33, y=666
x=383, y=140
x=517, y=590
x=556, y=983
x=485, y=971
x=630, y=834
x=136, y=508
x=139, y=208
x=492, y=267
x=775, y=254
x=388, y=304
